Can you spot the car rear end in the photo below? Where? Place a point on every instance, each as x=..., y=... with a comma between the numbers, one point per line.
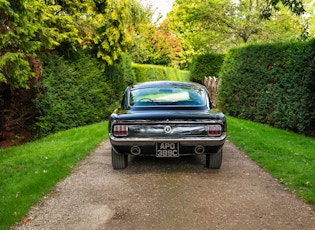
x=168, y=138
x=167, y=119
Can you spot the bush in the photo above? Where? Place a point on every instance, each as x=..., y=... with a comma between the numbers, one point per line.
x=205, y=65
x=272, y=84
x=120, y=76
x=153, y=73
x=76, y=92
x=80, y=90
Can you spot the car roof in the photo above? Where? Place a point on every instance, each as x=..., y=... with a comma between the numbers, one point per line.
x=167, y=84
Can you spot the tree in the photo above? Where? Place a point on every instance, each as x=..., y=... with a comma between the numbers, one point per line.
x=309, y=18
x=110, y=38
x=164, y=46
x=26, y=27
x=140, y=32
x=295, y=6
x=17, y=33
x=155, y=43
x=215, y=26
x=30, y=27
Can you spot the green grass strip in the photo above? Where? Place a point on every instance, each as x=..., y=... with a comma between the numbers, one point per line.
x=28, y=172
x=289, y=157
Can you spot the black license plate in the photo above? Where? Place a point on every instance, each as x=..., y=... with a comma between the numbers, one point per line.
x=167, y=149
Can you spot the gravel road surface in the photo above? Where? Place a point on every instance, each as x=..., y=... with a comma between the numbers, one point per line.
x=170, y=194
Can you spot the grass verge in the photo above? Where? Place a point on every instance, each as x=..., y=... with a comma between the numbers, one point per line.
x=28, y=172
x=289, y=157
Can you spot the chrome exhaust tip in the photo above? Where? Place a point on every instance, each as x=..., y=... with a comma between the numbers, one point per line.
x=199, y=149
x=135, y=150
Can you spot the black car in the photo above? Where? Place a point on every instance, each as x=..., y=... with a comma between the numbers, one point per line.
x=166, y=119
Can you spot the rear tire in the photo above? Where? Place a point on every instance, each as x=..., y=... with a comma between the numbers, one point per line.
x=119, y=161
x=214, y=161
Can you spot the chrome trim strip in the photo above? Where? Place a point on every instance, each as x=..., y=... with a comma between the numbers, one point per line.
x=135, y=122
x=206, y=141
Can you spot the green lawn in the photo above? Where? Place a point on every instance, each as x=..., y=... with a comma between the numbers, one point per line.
x=289, y=157
x=28, y=172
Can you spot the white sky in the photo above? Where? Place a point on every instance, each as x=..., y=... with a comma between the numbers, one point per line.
x=162, y=6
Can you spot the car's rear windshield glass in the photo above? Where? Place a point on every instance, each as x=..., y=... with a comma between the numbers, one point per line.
x=167, y=96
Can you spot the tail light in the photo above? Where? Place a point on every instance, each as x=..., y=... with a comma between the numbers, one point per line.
x=120, y=130
x=214, y=130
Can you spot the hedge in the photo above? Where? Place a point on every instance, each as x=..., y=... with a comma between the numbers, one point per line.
x=272, y=84
x=81, y=90
x=77, y=91
x=153, y=73
x=205, y=65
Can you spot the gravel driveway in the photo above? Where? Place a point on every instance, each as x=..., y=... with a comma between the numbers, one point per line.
x=170, y=194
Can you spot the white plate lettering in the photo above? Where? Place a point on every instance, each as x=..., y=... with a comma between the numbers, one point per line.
x=167, y=149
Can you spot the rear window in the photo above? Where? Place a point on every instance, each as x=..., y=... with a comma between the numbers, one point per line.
x=167, y=97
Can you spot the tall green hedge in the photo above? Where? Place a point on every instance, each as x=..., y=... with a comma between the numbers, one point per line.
x=119, y=76
x=81, y=90
x=153, y=73
x=78, y=91
x=272, y=84
x=205, y=65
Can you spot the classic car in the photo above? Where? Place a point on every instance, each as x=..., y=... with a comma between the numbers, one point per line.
x=166, y=119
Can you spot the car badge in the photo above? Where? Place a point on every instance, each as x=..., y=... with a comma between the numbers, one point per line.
x=168, y=129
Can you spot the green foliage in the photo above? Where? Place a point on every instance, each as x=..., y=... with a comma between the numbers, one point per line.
x=153, y=73
x=27, y=27
x=205, y=65
x=289, y=157
x=30, y=171
x=156, y=45
x=111, y=39
x=30, y=26
x=273, y=84
x=73, y=93
x=17, y=37
x=296, y=6
x=310, y=22
x=15, y=70
x=120, y=76
x=218, y=25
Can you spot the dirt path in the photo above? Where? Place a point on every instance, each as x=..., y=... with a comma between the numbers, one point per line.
x=170, y=194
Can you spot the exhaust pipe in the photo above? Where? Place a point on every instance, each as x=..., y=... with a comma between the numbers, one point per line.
x=135, y=150
x=199, y=149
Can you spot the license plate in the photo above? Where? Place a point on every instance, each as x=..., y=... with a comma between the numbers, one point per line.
x=167, y=149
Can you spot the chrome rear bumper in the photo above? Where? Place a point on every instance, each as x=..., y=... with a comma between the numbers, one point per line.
x=185, y=141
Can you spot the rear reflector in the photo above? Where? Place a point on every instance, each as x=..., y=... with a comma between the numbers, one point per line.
x=120, y=130
x=214, y=130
